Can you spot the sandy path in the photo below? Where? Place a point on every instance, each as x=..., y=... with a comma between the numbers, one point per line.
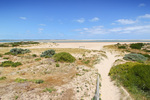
x=108, y=90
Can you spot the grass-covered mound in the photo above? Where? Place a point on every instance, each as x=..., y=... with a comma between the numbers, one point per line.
x=135, y=57
x=10, y=63
x=135, y=77
x=48, y=53
x=64, y=57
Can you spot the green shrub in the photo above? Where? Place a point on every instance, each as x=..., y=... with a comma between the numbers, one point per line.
x=136, y=45
x=19, y=51
x=16, y=64
x=86, y=62
x=135, y=57
x=50, y=89
x=48, y=53
x=34, y=55
x=2, y=78
x=1, y=55
x=20, y=80
x=6, y=58
x=57, y=65
x=64, y=57
x=9, y=53
x=37, y=59
x=122, y=47
x=38, y=81
x=6, y=64
x=10, y=63
x=139, y=76
x=134, y=76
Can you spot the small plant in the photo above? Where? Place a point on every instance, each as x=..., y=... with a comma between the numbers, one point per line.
x=1, y=55
x=135, y=57
x=34, y=55
x=16, y=97
x=50, y=89
x=6, y=58
x=37, y=59
x=19, y=80
x=10, y=63
x=2, y=78
x=64, y=57
x=80, y=58
x=38, y=81
x=57, y=65
x=48, y=53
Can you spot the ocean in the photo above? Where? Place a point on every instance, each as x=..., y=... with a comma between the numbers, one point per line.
x=67, y=41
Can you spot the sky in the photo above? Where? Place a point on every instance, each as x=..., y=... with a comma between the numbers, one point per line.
x=75, y=19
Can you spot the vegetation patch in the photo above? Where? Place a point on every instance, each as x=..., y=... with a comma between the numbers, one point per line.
x=16, y=51
x=48, y=53
x=10, y=63
x=49, y=89
x=64, y=57
x=20, y=80
x=135, y=77
x=135, y=57
x=14, y=44
x=37, y=59
x=136, y=45
x=2, y=78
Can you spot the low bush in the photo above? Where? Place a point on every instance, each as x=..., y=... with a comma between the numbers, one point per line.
x=48, y=53
x=135, y=57
x=134, y=76
x=136, y=45
x=19, y=51
x=1, y=55
x=37, y=59
x=2, y=78
x=122, y=47
x=34, y=55
x=64, y=57
x=38, y=81
x=10, y=63
x=57, y=65
x=6, y=58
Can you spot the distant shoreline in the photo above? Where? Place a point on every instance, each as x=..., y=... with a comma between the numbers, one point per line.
x=72, y=41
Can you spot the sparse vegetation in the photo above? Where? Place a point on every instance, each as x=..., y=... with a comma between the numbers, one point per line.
x=135, y=57
x=20, y=80
x=6, y=58
x=14, y=44
x=64, y=57
x=2, y=78
x=50, y=89
x=10, y=63
x=1, y=55
x=48, y=53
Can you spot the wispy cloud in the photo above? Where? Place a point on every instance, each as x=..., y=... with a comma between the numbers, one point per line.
x=95, y=19
x=126, y=21
x=42, y=24
x=23, y=18
x=142, y=5
x=145, y=16
x=40, y=30
x=145, y=29
x=81, y=20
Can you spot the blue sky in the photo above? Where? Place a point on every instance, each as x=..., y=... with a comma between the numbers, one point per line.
x=74, y=19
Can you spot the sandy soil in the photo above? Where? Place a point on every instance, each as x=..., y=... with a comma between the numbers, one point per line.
x=108, y=90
